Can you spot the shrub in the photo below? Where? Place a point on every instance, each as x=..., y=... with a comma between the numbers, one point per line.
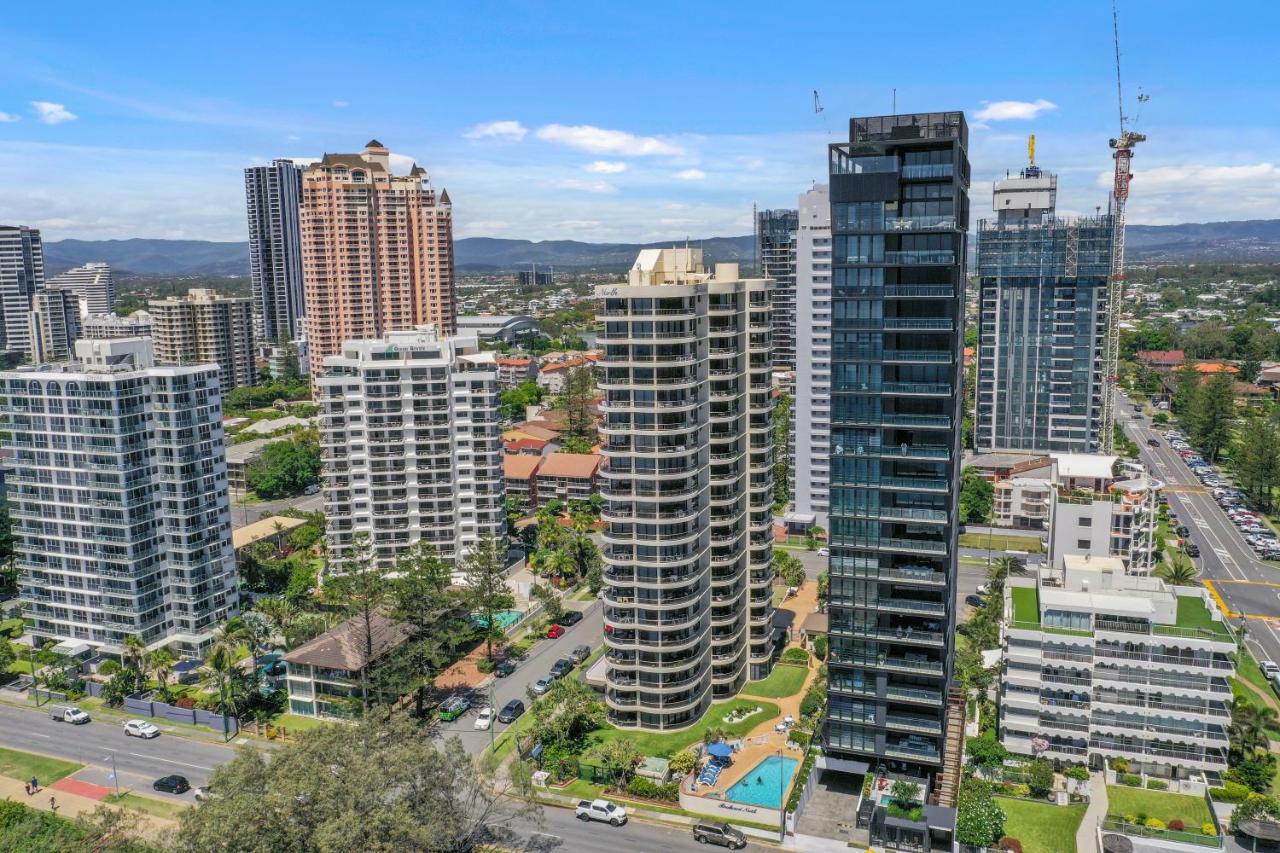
x=650, y=790
x=1177, y=825
x=800, y=738
x=1009, y=845
x=820, y=646
x=1078, y=772
x=979, y=819
x=811, y=702
x=986, y=751
x=1230, y=792
x=185, y=702
x=1040, y=777
x=1256, y=771
x=485, y=665
x=1157, y=785
x=1133, y=780
x=1154, y=823
x=1120, y=765
x=1208, y=829
x=796, y=655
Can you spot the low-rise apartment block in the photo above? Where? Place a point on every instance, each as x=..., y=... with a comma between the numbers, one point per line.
x=567, y=477
x=1104, y=508
x=520, y=477
x=323, y=675
x=516, y=370
x=1100, y=664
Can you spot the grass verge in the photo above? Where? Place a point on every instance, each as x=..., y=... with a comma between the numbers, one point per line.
x=24, y=765
x=1001, y=542
x=166, y=809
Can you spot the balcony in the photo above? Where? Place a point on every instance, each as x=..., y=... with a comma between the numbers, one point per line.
x=920, y=258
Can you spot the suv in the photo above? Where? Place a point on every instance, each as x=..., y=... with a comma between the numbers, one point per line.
x=561, y=668
x=511, y=711
x=504, y=668
x=570, y=618
x=580, y=653
x=706, y=832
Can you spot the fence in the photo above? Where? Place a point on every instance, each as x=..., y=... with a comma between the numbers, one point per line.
x=135, y=704
x=1115, y=824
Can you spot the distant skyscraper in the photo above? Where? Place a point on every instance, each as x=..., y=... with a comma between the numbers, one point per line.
x=21, y=275
x=273, y=196
x=377, y=251
x=776, y=243
x=101, y=327
x=93, y=286
x=204, y=327
x=118, y=494
x=53, y=324
x=811, y=411
x=899, y=207
x=1042, y=321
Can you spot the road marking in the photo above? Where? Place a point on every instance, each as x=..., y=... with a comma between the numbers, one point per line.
x=37, y=734
x=169, y=761
x=1252, y=583
x=1222, y=605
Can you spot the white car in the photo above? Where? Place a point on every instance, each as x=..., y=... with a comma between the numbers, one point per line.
x=140, y=728
x=1269, y=669
x=484, y=720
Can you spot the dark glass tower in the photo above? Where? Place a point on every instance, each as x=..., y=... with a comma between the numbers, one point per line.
x=776, y=245
x=899, y=212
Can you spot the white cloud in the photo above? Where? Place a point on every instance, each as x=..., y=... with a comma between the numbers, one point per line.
x=51, y=113
x=691, y=175
x=750, y=163
x=341, y=104
x=1009, y=110
x=605, y=167
x=401, y=163
x=498, y=131
x=7, y=117
x=587, y=186
x=599, y=140
x=1170, y=195
x=293, y=137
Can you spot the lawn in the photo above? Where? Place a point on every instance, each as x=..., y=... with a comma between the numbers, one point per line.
x=785, y=680
x=294, y=723
x=1193, y=613
x=669, y=743
x=24, y=765
x=169, y=810
x=1001, y=542
x=1026, y=604
x=1248, y=669
x=1192, y=811
x=1042, y=828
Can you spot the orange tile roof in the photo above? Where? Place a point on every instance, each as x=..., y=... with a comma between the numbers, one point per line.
x=581, y=466
x=1216, y=367
x=516, y=467
x=515, y=362
x=530, y=431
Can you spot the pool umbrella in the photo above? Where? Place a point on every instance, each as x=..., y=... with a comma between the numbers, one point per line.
x=719, y=750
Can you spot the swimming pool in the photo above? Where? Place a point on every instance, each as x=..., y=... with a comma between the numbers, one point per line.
x=504, y=618
x=765, y=783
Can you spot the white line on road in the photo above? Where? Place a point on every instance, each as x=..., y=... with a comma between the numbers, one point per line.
x=170, y=761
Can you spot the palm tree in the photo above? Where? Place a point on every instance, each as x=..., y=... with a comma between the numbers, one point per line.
x=280, y=611
x=558, y=562
x=220, y=674
x=160, y=664
x=133, y=650
x=1005, y=567
x=1180, y=571
x=1249, y=725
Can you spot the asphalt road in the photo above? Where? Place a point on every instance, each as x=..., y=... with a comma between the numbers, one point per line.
x=590, y=632
x=1249, y=587
x=249, y=513
x=561, y=832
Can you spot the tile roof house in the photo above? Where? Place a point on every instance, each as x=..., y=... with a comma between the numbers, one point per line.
x=323, y=675
x=567, y=477
x=1161, y=361
x=519, y=475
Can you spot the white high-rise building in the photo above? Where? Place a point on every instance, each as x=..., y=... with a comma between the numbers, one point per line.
x=118, y=496
x=53, y=324
x=93, y=285
x=811, y=411
x=204, y=326
x=101, y=327
x=412, y=449
x=688, y=483
x=21, y=275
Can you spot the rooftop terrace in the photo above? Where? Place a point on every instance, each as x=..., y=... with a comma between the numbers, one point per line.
x=1194, y=620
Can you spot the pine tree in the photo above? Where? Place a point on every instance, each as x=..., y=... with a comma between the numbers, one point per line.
x=1187, y=388
x=1212, y=411
x=1256, y=460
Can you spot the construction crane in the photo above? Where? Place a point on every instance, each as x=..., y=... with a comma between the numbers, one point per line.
x=1122, y=152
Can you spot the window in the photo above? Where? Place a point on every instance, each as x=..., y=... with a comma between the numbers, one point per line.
x=1086, y=522
x=1083, y=544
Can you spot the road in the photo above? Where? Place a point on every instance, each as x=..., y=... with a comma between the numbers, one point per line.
x=589, y=632
x=561, y=832
x=242, y=514
x=1249, y=587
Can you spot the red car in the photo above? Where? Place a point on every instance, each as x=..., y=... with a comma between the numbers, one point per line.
x=555, y=631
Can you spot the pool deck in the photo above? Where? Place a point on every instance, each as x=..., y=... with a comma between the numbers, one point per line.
x=762, y=741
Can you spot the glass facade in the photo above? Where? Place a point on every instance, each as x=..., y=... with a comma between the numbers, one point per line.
x=899, y=205
x=776, y=245
x=1040, y=334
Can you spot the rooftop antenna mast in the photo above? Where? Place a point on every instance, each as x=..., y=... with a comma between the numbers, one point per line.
x=1122, y=152
x=819, y=109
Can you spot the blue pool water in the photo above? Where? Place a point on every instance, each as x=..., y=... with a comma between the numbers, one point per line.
x=504, y=618
x=774, y=774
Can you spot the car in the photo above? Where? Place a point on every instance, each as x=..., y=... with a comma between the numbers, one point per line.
x=174, y=784
x=72, y=715
x=140, y=728
x=824, y=552
x=504, y=668
x=570, y=618
x=974, y=601
x=601, y=810
x=203, y=792
x=542, y=685
x=1184, y=531
x=555, y=632
x=511, y=711
x=453, y=708
x=312, y=489
x=484, y=720
x=1153, y=442
x=720, y=834
x=1192, y=549
x=561, y=668
x=580, y=653
x=983, y=589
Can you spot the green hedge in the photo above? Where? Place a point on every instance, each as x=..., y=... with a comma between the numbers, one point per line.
x=1157, y=785
x=1230, y=792
x=805, y=769
x=1133, y=780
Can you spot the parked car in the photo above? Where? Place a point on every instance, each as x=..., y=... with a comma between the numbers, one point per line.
x=974, y=601
x=555, y=632
x=601, y=810
x=983, y=589
x=72, y=715
x=312, y=489
x=484, y=720
x=1192, y=549
x=140, y=728
x=561, y=668
x=453, y=708
x=511, y=711
x=570, y=618
x=174, y=784
x=1184, y=531
x=1152, y=442
x=580, y=653
x=1269, y=668
x=204, y=792
x=542, y=685
x=504, y=668
x=720, y=834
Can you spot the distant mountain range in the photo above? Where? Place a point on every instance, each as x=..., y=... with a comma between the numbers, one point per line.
x=1256, y=240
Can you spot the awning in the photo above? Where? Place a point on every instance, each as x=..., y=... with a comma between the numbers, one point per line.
x=719, y=750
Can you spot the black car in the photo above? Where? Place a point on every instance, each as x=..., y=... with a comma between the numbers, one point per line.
x=561, y=668
x=1184, y=531
x=1192, y=549
x=504, y=668
x=511, y=711
x=974, y=601
x=172, y=784
x=570, y=618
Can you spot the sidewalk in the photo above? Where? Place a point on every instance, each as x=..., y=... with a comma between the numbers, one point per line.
x=1087, y=834
x=75, y=799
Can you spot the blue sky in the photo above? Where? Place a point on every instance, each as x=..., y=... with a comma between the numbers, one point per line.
x=614, y=121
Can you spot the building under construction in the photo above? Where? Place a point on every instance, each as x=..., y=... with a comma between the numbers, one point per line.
x=1042, y=321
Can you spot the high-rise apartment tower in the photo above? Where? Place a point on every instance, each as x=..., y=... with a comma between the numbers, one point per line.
x=53, y=324
x=204, y=327
x=899, y=208
x=377, y=251
x=776, y=246
x=688, y=485
x=811, y=411
x=1042, y=321
x=21, y=275
x=93, y=285
x=273, y=197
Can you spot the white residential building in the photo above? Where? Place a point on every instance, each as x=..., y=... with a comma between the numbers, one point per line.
x=93, y=285
x=1104, y=508
x=412, y=450
x=1022, y=502
x=118, y=495
x=101, y=327
x=688, y=484
x=811, y=411
x=53, y=324
x=1100, y=664
x=205, y=326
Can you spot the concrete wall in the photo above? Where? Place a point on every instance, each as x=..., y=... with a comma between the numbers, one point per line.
x=724, y=809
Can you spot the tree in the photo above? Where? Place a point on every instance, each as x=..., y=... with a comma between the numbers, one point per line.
x=160, y=664
x=222, y=675
x=286, y=468
x=1040, y=777
x=904, y=793
x=782, y=426
x=620, y=757
x=133, y=650
x=279, y=610
x=485, y=569
x=378, y=785
x=1186, y=388
x=977, y=496
x=361, y=590
x=566, y=715
x=986, y=751
x=1256, y=460
x=513, y=401
x=1180, y=571
x=979, y=819
x=1255, y=806
x=1248, y=728
x=787, y=567
x=684, y=762
x=1212, y=411
x=1001, y=569
x=304, y=627
x=552, y=605
x=575, y=400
